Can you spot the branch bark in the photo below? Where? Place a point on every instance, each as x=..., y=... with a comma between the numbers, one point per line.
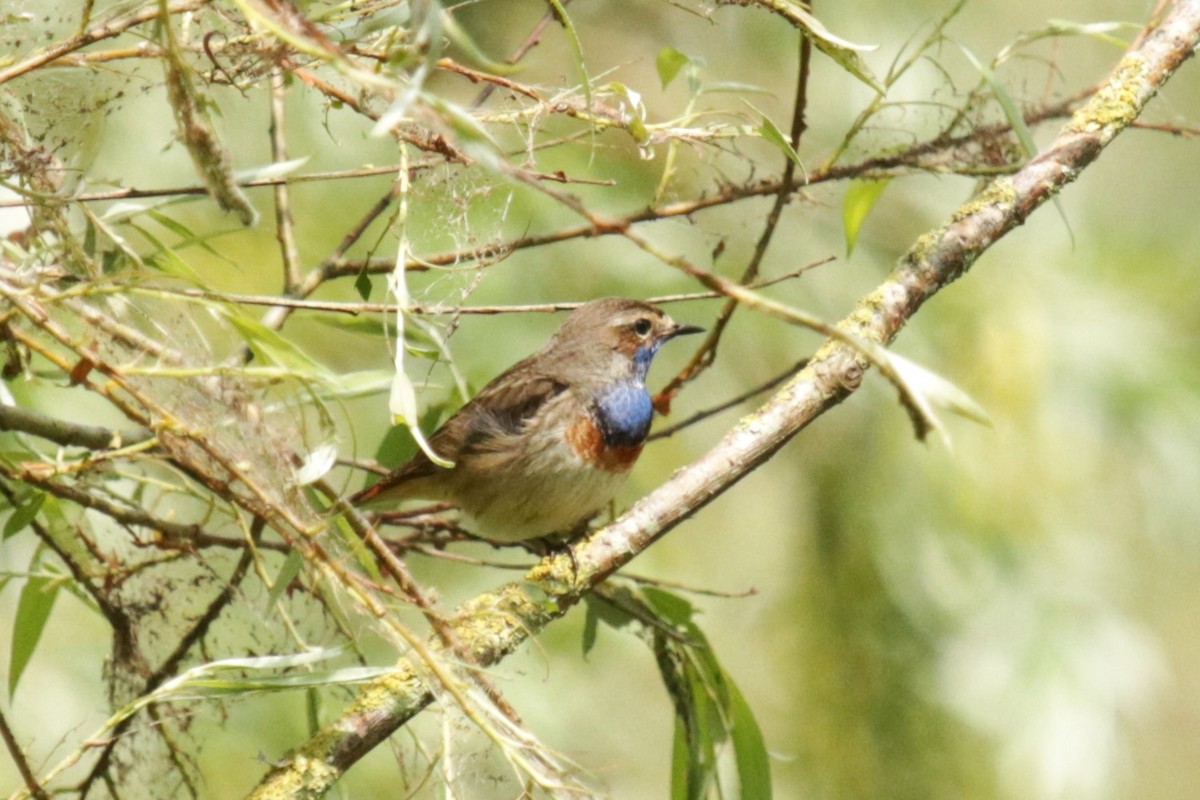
x=68, y=434
x=494, y=624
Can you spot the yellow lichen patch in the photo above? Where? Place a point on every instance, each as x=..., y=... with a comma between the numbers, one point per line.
x=380, y=693
x=1116, y=104
x=998, y=194
x=861, y=320
x=304, y=776
x=926, y=244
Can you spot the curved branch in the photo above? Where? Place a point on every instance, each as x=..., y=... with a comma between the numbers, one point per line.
x=494, y=624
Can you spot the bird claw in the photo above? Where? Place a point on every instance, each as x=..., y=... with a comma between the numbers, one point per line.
x=554, y=545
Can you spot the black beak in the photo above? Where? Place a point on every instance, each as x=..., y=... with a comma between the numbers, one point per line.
x=683, y=330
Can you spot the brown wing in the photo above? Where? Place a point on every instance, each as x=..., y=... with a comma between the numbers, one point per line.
x=500, y=409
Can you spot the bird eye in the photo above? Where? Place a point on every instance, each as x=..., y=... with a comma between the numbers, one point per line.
x=642, y=327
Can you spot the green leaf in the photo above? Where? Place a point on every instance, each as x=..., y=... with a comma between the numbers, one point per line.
x=359, y=26
x=617, y=608
x=358, y=324
x=173, y=225
x=680, y=761
x=934, y=390
x=397, y=446
x=736, y=87
x=363, y=383
x=287, y=661
x=560, y=11
x=669, y=62
x=199, y=688
x=464, y=123
x=273, y=348
x=860, y=199
x=1015, y=118
x=110, y=261
x=769, y=131
x=843, y=52
x=458, y=35
x=753, y=763
x=921, y=391
x=673, y=608
x=591, y=625
x=109, y=258
x=218, y=678
x=89, y=239
x=1101, y=31
x=1011, y=112
x=712, y=716
x=312, y=710
x=357, y=548
x=187, y=236
x=362, y=284
x=703, y=729
x=402, y=402
x=24, y=514
x=817, y=31
x=287, y=573
x=276, y=169
x=165, y=259
x=33, y=610
x=632, y=101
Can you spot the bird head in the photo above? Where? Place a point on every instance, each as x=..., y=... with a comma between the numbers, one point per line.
x=616, y=334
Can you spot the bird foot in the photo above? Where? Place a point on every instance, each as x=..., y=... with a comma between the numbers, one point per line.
x=553, y=545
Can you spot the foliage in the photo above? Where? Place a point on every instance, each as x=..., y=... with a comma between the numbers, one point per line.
x=179, y=384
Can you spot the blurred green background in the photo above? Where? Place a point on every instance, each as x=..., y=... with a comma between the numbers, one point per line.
x=1012, y=617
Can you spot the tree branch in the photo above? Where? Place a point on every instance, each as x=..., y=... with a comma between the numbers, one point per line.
x=18, y=756
x=103, y=30
x=494, y=624
x=68, y=434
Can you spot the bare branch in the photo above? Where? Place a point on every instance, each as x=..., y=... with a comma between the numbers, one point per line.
x=18, y=757
x=68, y=434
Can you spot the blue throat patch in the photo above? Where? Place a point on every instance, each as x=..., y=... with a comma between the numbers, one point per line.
x=641, y=360
x=623, y=411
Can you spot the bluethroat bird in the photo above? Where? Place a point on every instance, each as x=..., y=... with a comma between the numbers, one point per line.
x=545, y=446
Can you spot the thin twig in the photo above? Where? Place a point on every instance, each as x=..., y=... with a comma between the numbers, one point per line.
x=423, y=309
x=132, y=193
x=1181, y=131
x=285, y=229
x=67, y=434
x=126, y=515
x=531, y=41
x=700, y=416
x=359, y=228
x=18, y=757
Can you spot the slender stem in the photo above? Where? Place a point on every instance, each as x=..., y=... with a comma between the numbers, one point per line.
x=18, y=757
x=285, y=229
